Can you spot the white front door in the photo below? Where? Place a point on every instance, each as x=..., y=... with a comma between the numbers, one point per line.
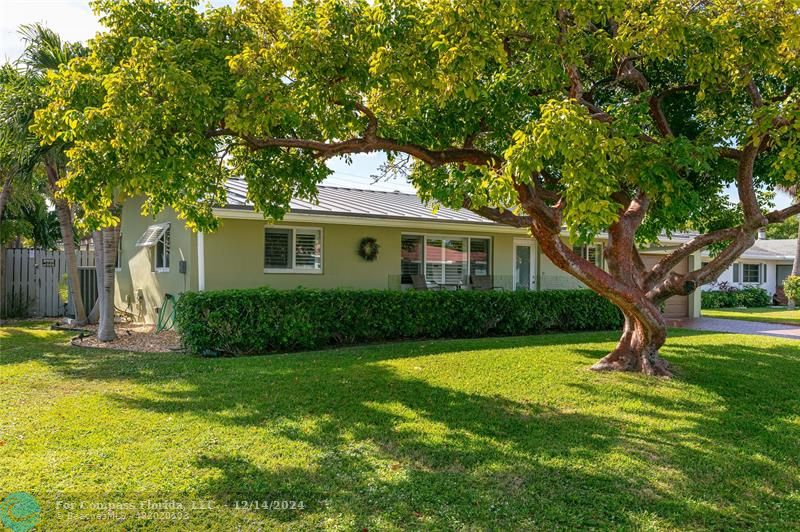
x=525, y=264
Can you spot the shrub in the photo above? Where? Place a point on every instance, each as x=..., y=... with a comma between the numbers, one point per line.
x=717, y=299
x=753, y=297
x=791, y=287
x=263, y=320
x=728, y=297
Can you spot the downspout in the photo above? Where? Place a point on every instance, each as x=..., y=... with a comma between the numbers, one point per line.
x=201, y=262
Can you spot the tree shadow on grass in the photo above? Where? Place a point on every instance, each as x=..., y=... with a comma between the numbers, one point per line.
x=404, y=452
x=737, y=441
x=384, y=449
x=18, y=338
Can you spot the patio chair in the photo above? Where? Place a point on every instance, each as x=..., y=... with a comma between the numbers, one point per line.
x=483, y=282
x=420, y=283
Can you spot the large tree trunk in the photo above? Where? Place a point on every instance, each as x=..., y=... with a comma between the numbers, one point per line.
x=645, y=329
x=64, y=214
x=638, y=348
x=105, y=328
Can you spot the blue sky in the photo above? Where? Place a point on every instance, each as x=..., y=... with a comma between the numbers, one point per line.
x=75, y=22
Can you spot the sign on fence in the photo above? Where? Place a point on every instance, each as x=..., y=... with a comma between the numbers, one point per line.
x=31, y=279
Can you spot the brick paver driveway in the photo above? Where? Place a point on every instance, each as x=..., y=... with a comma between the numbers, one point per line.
x=742, y=327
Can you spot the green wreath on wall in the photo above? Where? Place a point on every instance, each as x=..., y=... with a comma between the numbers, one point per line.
x=368, y=249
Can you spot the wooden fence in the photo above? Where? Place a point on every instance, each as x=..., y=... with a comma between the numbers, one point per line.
x=31, y=277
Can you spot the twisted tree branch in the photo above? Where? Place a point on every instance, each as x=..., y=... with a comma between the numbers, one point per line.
x=367, y=144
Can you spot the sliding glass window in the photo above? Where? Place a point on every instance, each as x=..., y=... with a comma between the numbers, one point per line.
x=444, y=260
x=411, y=257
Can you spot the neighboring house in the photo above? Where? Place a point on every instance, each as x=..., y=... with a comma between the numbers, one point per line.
x=316, y=246
x=765, y=265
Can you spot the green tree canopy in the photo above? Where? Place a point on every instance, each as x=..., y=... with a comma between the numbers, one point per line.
x=622, y=117
x=785, y=230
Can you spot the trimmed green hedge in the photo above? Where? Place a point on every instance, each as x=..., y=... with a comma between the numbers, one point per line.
x=262, y=320
x=732, y=297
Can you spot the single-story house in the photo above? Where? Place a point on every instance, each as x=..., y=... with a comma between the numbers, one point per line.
x=317, y=246
x=765, y=265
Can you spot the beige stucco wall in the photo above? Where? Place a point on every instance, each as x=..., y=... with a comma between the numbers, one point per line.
x=553, y=278
x=234, y=256
x=136, y=275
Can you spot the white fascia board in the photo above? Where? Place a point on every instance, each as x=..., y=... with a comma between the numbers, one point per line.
x=242, y=214
x=249, y=214
x=758, y=256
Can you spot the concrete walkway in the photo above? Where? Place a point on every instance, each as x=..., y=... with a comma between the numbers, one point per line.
x=742, y=327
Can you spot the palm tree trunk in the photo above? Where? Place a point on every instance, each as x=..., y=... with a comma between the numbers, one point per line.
x=97, y=243
x=68, y=238
x=5, y=192
x=105, y=329
x=2, y=280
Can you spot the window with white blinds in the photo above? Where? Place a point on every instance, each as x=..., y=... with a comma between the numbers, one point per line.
x=444, y=260
x=593, y=253
x=277, y=243
x=410, y=257
x=455, y=261
x=434, y=265
x=307, y=250
x=292, y=250
x=479, y=256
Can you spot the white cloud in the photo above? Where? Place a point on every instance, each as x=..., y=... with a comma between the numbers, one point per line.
x=75, y=21
x=72, y=19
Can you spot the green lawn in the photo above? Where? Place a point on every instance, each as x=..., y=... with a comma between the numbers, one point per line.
x=508, y=433
x=765, y=314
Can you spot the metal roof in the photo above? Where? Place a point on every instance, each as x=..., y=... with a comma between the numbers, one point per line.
x=344, y=201
x=358, y=202
x=151, y=235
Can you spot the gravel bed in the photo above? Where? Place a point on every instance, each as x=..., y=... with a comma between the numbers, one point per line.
x=132, y=337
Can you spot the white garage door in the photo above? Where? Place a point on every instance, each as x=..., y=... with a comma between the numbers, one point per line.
x=676, y=306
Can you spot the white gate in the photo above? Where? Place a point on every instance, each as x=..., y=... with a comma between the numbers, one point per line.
x=31, y=278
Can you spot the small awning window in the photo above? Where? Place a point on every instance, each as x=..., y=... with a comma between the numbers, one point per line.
x=151, y=235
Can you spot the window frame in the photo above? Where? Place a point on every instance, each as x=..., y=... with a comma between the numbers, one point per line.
x=583, y=251
x=293, y=249
x=759, y=269
x=168, y=249
x=437, y=236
